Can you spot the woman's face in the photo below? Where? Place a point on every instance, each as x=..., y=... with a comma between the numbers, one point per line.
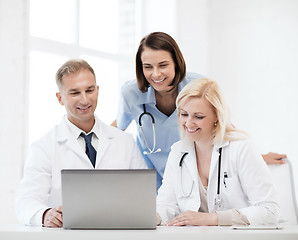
x=158, y=68
x=197, y=118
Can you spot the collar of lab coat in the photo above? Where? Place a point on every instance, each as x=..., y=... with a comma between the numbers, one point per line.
x=103, y=132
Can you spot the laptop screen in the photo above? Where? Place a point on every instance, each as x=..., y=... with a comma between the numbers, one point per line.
x=109, y=199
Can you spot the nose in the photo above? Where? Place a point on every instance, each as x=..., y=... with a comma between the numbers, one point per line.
x=84, y=98
x=189, y=122
x=156, y=72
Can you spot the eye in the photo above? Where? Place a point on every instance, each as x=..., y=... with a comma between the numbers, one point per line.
x=89, y=90
x=200, y=117
x=184, y=114
x=147, y=67
x=164, y=65
x=74, y=93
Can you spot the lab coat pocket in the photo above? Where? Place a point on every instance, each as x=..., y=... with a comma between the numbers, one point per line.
x=233, y=193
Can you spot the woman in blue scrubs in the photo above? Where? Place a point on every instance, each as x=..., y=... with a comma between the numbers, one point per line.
x=160, y=76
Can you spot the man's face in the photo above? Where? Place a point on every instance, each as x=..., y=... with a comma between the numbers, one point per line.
x=79, y=93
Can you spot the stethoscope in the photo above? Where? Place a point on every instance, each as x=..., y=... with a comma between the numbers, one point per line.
x=153, y=129
x=218, y=201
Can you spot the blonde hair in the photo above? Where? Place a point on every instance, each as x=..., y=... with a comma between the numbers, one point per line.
x=224, y=130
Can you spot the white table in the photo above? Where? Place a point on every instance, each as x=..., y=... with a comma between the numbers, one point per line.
x=12, y=232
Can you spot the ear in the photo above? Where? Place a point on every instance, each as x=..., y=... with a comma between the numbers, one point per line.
x=215, y=122
x=58, y=95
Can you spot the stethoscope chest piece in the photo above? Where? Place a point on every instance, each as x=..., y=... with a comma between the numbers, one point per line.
x=218, y=202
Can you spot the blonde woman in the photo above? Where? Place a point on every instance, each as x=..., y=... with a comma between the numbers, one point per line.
x=214, y=175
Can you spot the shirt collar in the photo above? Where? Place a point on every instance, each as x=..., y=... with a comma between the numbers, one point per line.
x=77, y=131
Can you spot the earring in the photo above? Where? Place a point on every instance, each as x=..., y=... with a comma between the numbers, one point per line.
x=215, y=123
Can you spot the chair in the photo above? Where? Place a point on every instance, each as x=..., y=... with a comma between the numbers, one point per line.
x=284, y=183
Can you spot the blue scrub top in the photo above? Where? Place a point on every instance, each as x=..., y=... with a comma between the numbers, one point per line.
x=166, y=128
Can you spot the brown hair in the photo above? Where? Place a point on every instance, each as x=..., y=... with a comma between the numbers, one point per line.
x=72, y=66
x=160, y=41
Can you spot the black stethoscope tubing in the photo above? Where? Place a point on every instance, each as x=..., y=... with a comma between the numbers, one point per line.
x=153, y=149
x=144, y=113
x=218, y=170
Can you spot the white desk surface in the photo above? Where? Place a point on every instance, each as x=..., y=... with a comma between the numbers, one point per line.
x=12, y=232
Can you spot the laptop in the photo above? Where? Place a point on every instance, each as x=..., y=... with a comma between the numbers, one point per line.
x=109, y=199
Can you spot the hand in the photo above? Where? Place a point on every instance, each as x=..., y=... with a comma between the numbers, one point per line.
x=274, y=158
x=194, y=219
x=158, y=219
x=53, y=217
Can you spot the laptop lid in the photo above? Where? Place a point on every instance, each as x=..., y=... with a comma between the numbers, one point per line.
x=109, y=199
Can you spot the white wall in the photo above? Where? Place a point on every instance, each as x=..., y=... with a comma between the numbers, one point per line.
x=155, y=16
x=250, y=48
x=193, y=33
x=13, y=102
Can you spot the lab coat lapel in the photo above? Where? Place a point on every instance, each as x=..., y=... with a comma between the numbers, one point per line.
x=73, y=144
x=213, y=172
x=213, y=164
x=104, y=140
x=64, y=135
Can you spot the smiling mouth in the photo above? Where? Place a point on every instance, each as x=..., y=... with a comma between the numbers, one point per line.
x=192, y=130
x=158, y=81
x=84, y=108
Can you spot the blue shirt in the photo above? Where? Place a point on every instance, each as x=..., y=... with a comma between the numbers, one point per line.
x=166, y=127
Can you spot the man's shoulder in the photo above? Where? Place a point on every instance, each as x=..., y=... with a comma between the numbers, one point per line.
x=51, y=135
x=113, y=132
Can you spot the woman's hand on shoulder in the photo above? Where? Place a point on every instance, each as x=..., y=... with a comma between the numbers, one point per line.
x=194, y=219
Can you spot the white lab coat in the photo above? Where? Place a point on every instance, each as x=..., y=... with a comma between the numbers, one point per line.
x=248, y=187
x=41, y=186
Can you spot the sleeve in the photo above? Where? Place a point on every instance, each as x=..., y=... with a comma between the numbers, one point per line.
x=33, y=194
x=231, y=217
x=124, y=116
x=167, y=205
x=257, y=185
